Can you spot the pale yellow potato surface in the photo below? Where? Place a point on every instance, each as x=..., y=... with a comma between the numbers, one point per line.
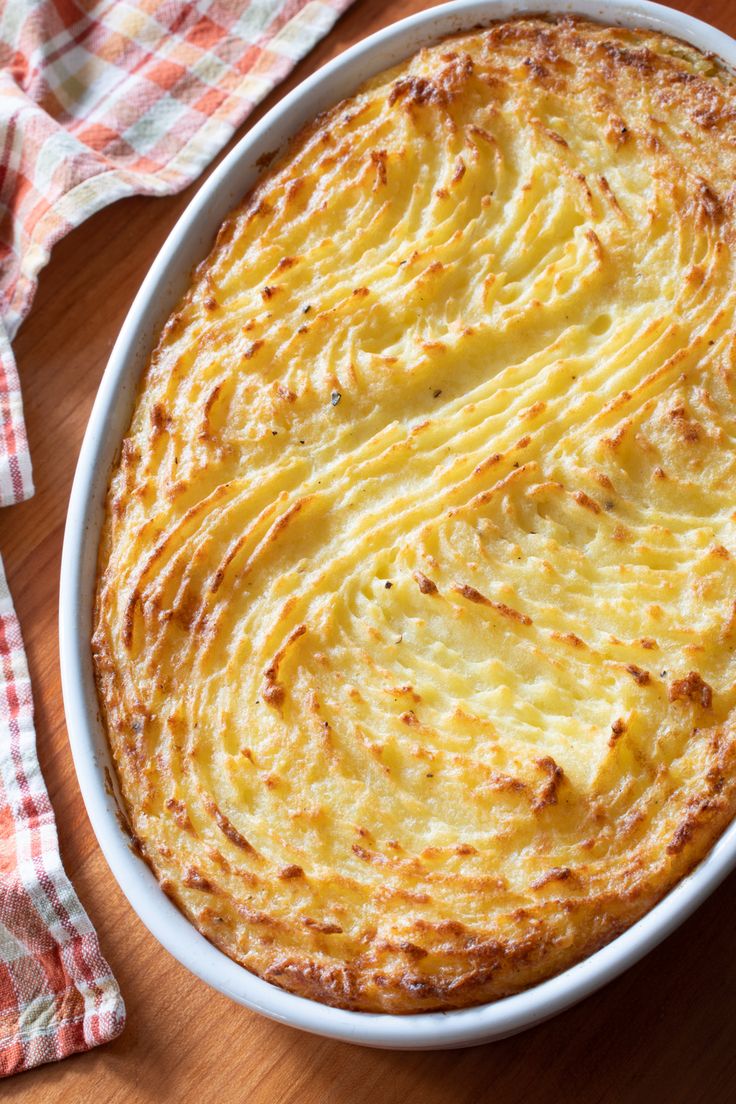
x=415, y=625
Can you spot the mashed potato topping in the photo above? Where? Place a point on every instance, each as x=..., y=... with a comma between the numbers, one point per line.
x=416, y=617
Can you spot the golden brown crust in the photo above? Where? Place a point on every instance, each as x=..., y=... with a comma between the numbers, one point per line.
x=416, y=617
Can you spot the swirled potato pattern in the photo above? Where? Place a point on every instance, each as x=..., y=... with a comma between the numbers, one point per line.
x=415, y=624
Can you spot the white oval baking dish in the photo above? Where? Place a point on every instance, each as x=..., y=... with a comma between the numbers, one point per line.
x=168, y=278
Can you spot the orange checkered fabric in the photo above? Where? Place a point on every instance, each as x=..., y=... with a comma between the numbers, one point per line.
x=57, y=994
x=100, y=101
x=97, y=101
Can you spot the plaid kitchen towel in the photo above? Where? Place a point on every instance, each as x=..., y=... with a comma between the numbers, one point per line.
x=57, y=994
x=100, y=101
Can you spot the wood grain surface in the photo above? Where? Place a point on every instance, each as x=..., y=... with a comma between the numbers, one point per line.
x=665, y=1031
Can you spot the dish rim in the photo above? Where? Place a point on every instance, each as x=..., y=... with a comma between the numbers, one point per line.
x=166, y=280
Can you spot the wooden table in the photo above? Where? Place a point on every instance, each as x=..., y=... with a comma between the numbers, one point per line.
x=665, y=1031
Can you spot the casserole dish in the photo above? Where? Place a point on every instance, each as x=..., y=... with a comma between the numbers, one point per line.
x=167, y=279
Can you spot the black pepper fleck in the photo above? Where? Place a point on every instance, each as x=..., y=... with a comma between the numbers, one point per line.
x=335, y=398
x=388, y=585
